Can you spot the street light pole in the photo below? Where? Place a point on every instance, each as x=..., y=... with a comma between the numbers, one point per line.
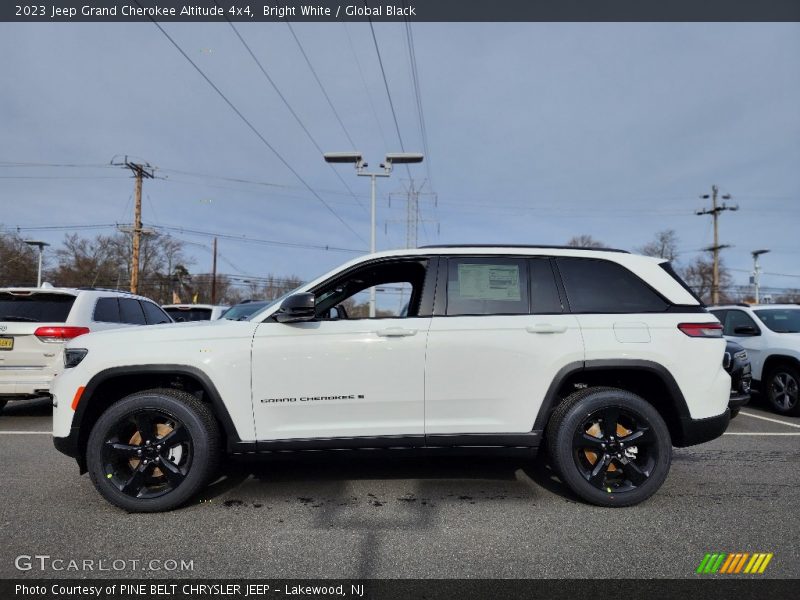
x=41, y=246
x=757, y=269
x=361, y=166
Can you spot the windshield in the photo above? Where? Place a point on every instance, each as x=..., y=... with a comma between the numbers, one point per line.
x=781, y=320
x=240, y=312
x=189, y=314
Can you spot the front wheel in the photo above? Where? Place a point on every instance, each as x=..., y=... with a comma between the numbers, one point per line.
x=152, y=451
x=609, y=446
x=783, y=390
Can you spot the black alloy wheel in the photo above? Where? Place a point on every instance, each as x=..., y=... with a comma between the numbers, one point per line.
x=615, y=450
x=610, y=446
x=153, y=450
x=147, y=454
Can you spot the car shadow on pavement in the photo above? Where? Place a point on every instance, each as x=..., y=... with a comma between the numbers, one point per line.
x=37, y=407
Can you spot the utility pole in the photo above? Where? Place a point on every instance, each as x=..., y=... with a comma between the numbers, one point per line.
x=140, y=171
x=715, y=212
x=214, y=275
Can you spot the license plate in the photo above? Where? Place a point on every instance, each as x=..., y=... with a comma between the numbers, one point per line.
x=6, y=343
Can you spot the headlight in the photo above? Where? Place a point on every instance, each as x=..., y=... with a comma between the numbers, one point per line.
x=74, y=356
x=741, y=355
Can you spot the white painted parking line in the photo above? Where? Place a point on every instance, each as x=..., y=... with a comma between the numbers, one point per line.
x=26, y=433
x=759, y=433
x=747, y=414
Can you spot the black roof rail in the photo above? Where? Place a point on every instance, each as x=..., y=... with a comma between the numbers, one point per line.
x=534, y=246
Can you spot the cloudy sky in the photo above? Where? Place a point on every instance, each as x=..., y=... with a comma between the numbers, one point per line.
x=535, y=133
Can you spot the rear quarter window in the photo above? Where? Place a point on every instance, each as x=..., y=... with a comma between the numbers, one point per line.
x=130, y=311
x=601, y=286
x=35, y=308
x=154, y=314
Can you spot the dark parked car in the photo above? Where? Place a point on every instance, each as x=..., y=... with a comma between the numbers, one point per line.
x=737, y=365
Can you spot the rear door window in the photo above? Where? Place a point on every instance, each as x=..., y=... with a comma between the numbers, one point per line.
x=487, y=286
x=602, y=286
x=35, y=308
x=130, y=311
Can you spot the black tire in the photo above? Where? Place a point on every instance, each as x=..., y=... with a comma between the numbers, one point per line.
x=734, y=412
x=181, y=459
x=782, y=387
x=603, y=466
x=3, y=404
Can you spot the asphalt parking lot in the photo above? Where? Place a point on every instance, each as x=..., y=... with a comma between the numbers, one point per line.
x=364, y=516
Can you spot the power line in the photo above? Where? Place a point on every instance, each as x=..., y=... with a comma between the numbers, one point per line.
x=386, y=85
x=321, y=87
x=244, y=238
x=289, y=106
x=364, y=83
x=412, y=57
x=258, y=134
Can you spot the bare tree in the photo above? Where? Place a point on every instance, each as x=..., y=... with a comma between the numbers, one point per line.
x=18, y=261
x=698, y=275
x=664, y=246
x=585, y=241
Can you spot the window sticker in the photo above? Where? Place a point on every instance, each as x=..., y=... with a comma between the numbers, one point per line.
x=489, y=282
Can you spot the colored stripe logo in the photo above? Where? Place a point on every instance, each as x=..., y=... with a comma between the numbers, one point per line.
x=734, y=563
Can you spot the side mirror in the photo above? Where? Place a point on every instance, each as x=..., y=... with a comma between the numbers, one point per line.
x=296, y=308
x=746, y=330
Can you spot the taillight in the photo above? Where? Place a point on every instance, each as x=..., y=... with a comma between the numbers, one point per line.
x=701, y=330
x=59, y=334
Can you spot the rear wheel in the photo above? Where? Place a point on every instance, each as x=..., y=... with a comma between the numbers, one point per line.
x=609, y=446
x=152, y=451
x=783, y=389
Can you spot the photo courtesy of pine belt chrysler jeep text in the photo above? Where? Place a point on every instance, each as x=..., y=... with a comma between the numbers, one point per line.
x=603, y=358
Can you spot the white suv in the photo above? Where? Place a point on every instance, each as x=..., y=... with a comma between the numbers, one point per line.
x=194, y=312
x=604, y=357
x=771, y=335
x=35, y=323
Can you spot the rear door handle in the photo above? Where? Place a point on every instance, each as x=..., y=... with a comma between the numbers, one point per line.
x=545, y=328
x=396, y=332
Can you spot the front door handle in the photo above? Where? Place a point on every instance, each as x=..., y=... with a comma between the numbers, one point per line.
x=546, y=328
x=396, y=332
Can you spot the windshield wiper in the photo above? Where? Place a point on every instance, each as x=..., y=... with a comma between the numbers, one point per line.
x=15, y=318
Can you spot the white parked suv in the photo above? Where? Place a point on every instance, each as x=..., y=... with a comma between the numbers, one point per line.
x=36, y=322
x=194, y=312
x=771, y=335
x=603, y=357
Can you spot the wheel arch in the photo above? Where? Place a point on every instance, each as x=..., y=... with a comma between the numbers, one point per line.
x=112, y=385
x=776, y=359
x=648, y=379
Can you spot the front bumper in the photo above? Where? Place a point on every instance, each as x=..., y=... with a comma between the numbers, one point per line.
x=738, y=400
x=69, y=445
x=697, y=431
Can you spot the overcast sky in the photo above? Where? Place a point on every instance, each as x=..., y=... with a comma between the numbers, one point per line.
x=536, y=133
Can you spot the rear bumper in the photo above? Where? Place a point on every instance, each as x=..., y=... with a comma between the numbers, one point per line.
x=697, y=431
